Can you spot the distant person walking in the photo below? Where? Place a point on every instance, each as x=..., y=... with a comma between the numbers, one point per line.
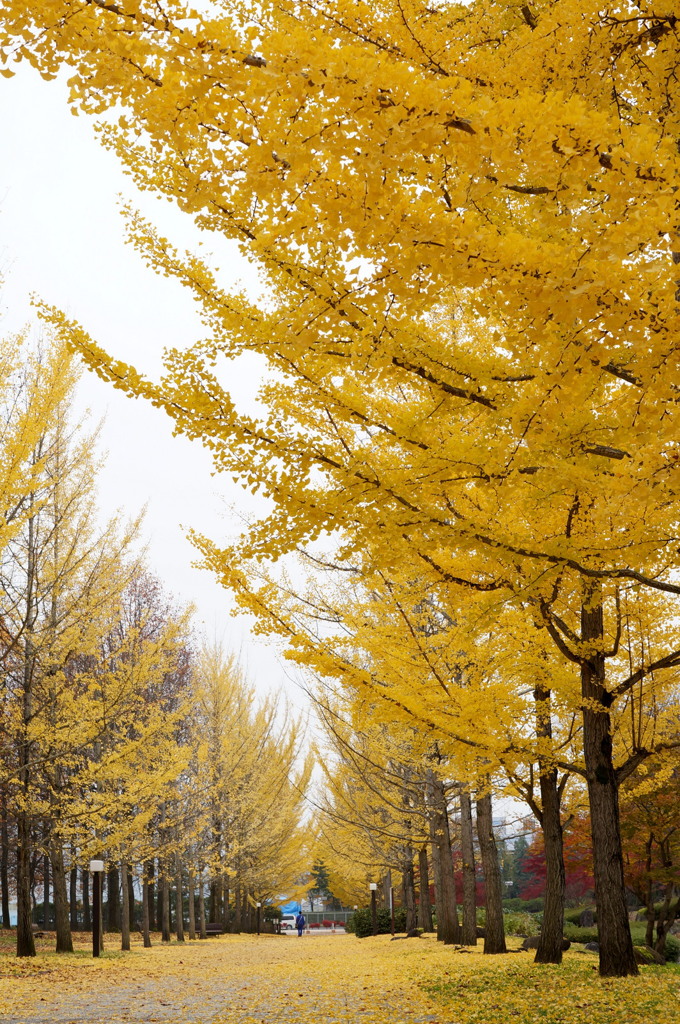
x=300, y=923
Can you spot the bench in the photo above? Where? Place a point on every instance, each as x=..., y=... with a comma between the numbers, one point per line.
x=214, y=928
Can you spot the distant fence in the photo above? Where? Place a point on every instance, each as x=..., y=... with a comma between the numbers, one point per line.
x=316, y=917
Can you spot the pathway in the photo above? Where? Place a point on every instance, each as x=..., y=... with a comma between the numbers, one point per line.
x=245, y=979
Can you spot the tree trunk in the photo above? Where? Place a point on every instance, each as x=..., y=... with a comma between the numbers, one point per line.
x=61, y=908
x=617, y=959
x=467, y=842
x=448, y=928
x=494, y=930
x=4, y=861
x=159, y=898
x=409, y=891
x=226, y=920
x=165, y=899
x=125, y=915
x=549, y=949
x=146, y=912
x=237, y=908
x=202, y=933
x=179, y=908
x=85, y=886
x=649, y=901
x=131, y=898
x=212, y=900
x=148, y=874
x=668, y=912
x=424, y=906
x=386, y=888
x=192, y=910
x=25, y=940
x=46, y=892
x=112, y=900
x=73, y=893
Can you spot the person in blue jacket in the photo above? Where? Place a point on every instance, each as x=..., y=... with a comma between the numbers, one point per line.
x=300, y=923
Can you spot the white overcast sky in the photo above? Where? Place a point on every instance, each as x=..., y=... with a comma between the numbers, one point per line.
x=61, y=237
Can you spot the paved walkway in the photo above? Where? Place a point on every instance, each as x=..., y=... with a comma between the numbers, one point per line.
x=267, y=980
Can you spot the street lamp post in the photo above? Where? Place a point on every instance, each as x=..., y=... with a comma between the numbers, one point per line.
x=258, y=917
x=374, y=908
x=97, y=868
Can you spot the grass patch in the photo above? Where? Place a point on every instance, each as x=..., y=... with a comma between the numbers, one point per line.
x=505, y=989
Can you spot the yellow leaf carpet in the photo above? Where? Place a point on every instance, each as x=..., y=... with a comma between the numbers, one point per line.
x=324, y=979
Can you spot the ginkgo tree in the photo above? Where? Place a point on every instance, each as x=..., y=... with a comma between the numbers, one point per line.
x=465, y=241
x=253, y=769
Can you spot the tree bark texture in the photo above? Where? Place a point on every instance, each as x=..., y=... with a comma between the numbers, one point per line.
x=226, y=917
x=202, y=933
x=549, y=949
x=85, y=887
x=467, y=842
x=668, y=911
x=192, y=910
x=73, y=894
x=165, y=905
x=125, y=915
x=148, y=874
x=448, y=928
x=25, y=940
x=46, y=892
x=61, y=908
x=494, y=930
x=424, y=906
x=238, y=908
x=385, y=889
x=409, y=891
x=131, y=898
x=4, y=860
x=179, y=908
x=617, y=958
x=112, y=900
x=146, y=913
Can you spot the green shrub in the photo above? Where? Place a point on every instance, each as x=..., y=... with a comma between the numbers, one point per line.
x=671, y=950
x=521, y=924
x=360, y=924
x=573, y=915
x=576, y=934
x=272, y=913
